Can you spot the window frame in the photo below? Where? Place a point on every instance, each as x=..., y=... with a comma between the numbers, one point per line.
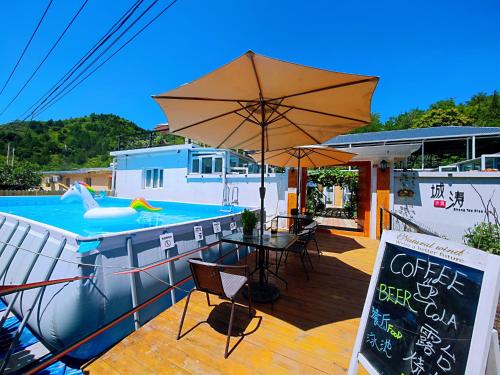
x=155, y=179
x=199, y=158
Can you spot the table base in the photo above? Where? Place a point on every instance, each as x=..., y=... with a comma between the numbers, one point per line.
x=263, y=293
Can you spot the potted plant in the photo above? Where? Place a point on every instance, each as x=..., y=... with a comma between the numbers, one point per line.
x=249, y=220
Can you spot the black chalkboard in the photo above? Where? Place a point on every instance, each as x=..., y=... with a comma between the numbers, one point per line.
x=422, y=314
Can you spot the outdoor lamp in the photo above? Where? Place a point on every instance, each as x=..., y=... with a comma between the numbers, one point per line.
x=383, y=165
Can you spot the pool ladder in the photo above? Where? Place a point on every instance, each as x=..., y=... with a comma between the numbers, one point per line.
x=234, y=196
x=234, y=193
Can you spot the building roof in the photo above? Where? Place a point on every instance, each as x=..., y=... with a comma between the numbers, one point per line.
x=150, y=150
x=382, y=152
x=79, y=171
x=164, y=128
x=412, y=135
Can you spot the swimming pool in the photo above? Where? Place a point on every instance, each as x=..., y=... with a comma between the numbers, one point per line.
x=69, y=216
x=42, y=238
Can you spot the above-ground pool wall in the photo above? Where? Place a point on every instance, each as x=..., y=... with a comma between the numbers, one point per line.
x=36, y=252
x=113, y=256
x=68, y=312
x=446, y=203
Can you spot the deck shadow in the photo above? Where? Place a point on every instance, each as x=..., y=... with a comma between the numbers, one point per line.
x=335, y=292
x=218, y=320
x=342, y=243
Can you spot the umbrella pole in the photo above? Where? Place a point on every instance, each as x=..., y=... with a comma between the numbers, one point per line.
x=299, y=187
x=262, y=189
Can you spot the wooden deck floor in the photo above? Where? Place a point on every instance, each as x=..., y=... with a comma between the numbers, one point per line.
x=310, y=330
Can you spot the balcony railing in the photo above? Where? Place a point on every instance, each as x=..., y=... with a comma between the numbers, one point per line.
x=147, y=139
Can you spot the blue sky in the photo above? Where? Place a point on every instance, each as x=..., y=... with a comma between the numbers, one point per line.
x=423, y=51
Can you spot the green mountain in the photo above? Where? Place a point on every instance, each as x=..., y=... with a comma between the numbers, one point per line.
x=480, y=110
x=66, y=144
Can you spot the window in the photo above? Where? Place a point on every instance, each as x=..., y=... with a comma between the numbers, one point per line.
x=88, y=181
x=153, y=178
x=242, y=165
x=491, y=162
x=218, y=165
x=206, y=163
x=195, y=168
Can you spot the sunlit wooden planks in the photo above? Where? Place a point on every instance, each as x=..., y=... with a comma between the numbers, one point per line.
x=310, y=330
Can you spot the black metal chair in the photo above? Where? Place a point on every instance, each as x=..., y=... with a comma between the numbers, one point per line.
x=312, y=229
x=300, y=248
x=210, y=279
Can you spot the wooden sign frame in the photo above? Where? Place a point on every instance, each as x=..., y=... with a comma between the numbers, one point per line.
x=489, y=264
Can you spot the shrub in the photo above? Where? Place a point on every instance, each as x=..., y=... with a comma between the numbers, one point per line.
x=484, y=236
x=21, y=176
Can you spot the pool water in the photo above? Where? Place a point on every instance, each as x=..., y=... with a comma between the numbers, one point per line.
x=69, y=216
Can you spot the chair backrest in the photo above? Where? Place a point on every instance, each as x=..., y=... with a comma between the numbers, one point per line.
x=312, y=227
x=206, y=276
x=306, y=235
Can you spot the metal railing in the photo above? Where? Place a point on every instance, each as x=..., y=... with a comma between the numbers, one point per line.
x=34, y=368
x=407, y=224
x=146, y=139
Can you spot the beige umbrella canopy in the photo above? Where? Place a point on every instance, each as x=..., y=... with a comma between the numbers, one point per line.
x=259, y=103
x=302, y=105
x=305, y=157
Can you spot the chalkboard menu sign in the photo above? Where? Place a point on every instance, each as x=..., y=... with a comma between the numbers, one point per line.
x=423, y=307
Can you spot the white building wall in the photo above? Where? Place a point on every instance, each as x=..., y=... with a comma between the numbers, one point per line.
x=179, y=186
x=447, y=203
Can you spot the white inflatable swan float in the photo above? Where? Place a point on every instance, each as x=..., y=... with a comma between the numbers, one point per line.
x=92, y=208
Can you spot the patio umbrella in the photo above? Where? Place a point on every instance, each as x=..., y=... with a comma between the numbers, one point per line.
x=306, y=157
x=259, y=103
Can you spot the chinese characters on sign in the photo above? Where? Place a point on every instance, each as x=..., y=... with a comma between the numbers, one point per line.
x=454, y=199
x=422, y=315
x=437, y=191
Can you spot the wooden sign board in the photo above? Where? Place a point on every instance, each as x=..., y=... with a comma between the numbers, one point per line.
x=429, y=309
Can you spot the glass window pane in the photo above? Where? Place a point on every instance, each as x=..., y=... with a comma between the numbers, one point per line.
x=218, y=165
x=206, y=165
x=148, y=178
x=196, y=166
x=233, y=161
x=155, y=178
x=160, y=181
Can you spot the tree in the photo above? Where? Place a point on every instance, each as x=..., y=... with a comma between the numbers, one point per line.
x=21, y=176
x=442, y=117
x=404, y=121
x=443, y=104
x=494, y=106
x=375, y=125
